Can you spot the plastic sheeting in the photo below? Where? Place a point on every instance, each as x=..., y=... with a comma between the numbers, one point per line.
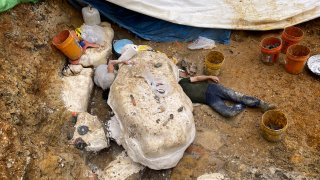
x=151, y=28
x=97, y=56
x=228, y=14
x=7, y=4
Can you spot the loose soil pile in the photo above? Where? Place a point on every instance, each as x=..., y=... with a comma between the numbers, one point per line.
x=32, y=113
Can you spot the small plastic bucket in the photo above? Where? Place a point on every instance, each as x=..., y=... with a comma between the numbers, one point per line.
x=213, y=62
x=296, y=57
x=273, y=125
x=270, y=50
x=67, y=44
x=290, y=36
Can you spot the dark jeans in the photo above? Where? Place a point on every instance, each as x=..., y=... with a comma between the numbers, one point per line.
x=216, y=96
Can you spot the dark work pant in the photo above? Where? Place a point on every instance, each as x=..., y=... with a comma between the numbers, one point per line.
x=216, y=96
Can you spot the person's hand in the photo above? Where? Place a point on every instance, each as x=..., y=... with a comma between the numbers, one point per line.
x=113, y=62
x=129, y=62
x=126, y=62
x=110, y=68
x=214, y=79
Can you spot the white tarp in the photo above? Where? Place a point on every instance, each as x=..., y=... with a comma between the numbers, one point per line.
x=228, y=14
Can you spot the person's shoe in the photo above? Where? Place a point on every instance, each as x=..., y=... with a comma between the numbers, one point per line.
x=266, y=106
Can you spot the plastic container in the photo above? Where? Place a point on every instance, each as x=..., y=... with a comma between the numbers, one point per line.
x=270, y=50
x=290, y=36
x=213, y=62
x=93, y=34
x=119, y=44
x=127, y=52
x=68, y=44
x=296, y=57
x=91, y=16
x=313, y=64
x=202, y=43
x=273, y=125
x=74, y=118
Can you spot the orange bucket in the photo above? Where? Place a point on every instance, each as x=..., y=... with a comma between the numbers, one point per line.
x=67, y=44
x=290, y=35
x=296, y=57
x=270, y=50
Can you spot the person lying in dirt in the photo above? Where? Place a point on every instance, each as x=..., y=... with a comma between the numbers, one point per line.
x=206, y=90
x=104, y=74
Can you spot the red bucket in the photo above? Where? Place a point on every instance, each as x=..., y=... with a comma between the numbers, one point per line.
x=290, y=36
x=270, y=50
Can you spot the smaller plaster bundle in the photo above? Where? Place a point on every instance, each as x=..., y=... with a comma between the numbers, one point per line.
x=89, y=133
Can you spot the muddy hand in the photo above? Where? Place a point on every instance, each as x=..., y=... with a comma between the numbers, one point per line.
x=87, y=45
x=110, y=67
x=128, y=62
x=215, y=79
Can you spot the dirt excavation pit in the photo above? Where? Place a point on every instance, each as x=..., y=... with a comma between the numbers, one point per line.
x=33, y=126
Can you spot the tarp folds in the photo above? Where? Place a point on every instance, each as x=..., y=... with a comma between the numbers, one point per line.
x=228, y=14
x=151, y=28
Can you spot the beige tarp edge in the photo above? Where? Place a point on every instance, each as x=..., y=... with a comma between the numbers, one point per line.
x=228, y=14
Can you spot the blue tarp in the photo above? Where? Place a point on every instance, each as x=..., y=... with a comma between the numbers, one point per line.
x=151, y=28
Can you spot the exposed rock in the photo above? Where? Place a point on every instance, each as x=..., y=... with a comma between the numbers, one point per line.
x=211, y=176
x=121, y=168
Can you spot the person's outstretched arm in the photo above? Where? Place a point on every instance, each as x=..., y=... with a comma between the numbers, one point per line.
x=114, y=62
x=215, y=79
